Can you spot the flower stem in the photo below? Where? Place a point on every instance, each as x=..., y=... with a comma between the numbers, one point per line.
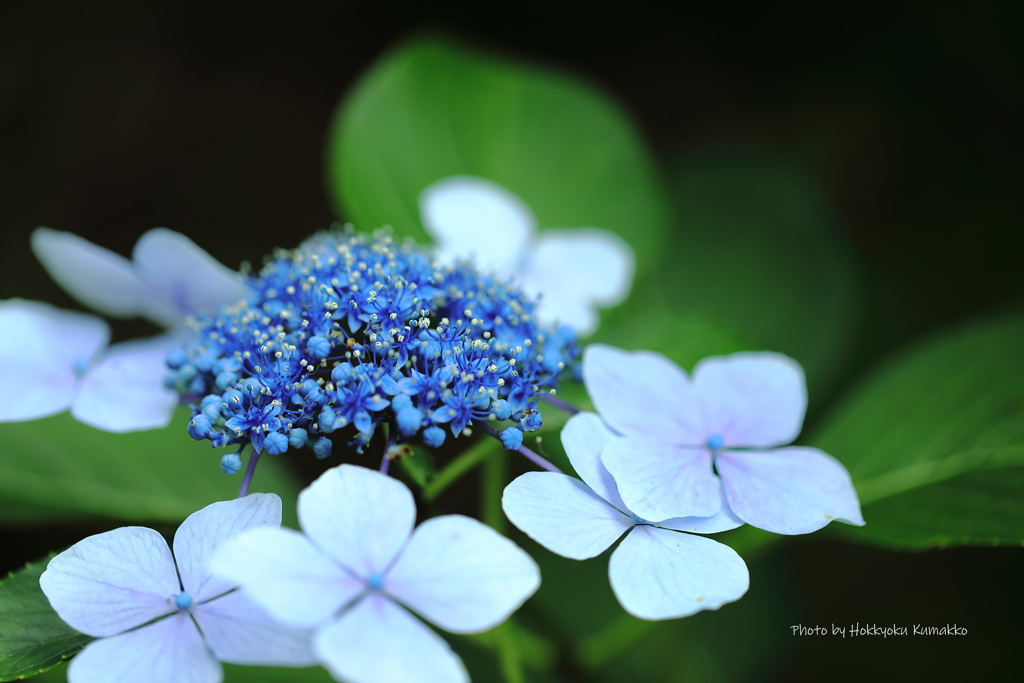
x=458, y=467
x=522, y=450
x=559, y=403
x=247, y=478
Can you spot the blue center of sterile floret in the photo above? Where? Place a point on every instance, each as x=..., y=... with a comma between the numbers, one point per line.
x=639, y=520
x=715, y=442
x=183, y=600
x=375, y=581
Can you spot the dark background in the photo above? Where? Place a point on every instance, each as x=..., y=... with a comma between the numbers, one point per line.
x=209, y=118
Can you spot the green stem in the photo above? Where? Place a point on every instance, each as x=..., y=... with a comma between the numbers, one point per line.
x=508, y=653
x=454, y=470
x=492, y=486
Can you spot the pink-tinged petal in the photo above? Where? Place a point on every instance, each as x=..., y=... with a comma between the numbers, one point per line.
x=584, y=436
x=240, y=632
x=379, y=642
x=563, y=514
x=462, y=575
x=42, y=348
x=112, y=582
x=199, y=536
x=478, y=220
x=296, y=582
x=661, y=574
x=97, y=277
x=124, y=391
x=751, y=399
x=641, y=393
x=658, y=481
x=360, y=517
x=788, y=490
x=167, y=651
x=182, y=278
x=575, y=272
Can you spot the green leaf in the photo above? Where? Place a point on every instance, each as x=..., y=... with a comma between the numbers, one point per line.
x=759, y=252
x=57, y=468
x=934, y=440
x=435, y=108
x=32, y=637
x=419, y=465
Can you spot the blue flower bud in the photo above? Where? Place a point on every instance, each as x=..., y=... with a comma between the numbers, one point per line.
x=176, y=358
x=401, y=402
x=318, y=347
x=297, y=438
x=322, y=448
x=502, y=409
x=511, y=438
x=433, y=436
x=230, y=463
x=328, y=420
x=276, y=443
x=409, y=420
x=199, y=427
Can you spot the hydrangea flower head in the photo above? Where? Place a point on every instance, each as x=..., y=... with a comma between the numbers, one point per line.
x=690, y=445
x=574, y=272
x=349, y=331
x=359, y=568
x=660, y=570
x=164, y=618
x=116, y=389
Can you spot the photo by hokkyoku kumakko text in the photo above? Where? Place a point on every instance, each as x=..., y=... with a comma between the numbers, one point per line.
x=520, y=410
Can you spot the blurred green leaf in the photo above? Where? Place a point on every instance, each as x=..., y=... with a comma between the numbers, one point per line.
x=419, y=465
x=57, y=468
x=435, y=108
x=934, y=440
x=32, y=637
x=759, y=253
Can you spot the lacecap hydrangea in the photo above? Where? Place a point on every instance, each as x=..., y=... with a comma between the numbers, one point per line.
x=349, y=331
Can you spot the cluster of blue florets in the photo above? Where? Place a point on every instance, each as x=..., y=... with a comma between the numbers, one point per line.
x=350, y=331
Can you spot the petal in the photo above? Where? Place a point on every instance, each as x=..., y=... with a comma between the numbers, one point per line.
x=479, y=220
x=462, y=575
x=584, y=436
x=204, y=531
x=296, y=582
x=563, y=514
x=125, y=391
x=167, y=651
x=360, y=517
x=576, y=270
x=379, y=642
x=97, y=277
x=658, y=481
x=751, y=399
x=661, y=574
x=182, y=278
x=239, y=632
x=41, y=347
x=111, y=582
x=724, y=520
x=642, y=393
x=788, y=490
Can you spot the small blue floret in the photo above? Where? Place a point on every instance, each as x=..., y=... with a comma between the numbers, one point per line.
x=433, y=436
x=276, y=443
x=183, y=600
x=409, y=420
x=230, y=463
x=715, y=442
x=322, y=448
x=297, y=437
x=512, y=438
x=502, y=409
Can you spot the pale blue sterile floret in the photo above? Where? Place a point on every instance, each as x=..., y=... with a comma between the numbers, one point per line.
x=573, y=272
x=120, y=388
x=351, y=331
x=358, y=568
x=165, y=618
x=660, y=570
x=695, y=445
